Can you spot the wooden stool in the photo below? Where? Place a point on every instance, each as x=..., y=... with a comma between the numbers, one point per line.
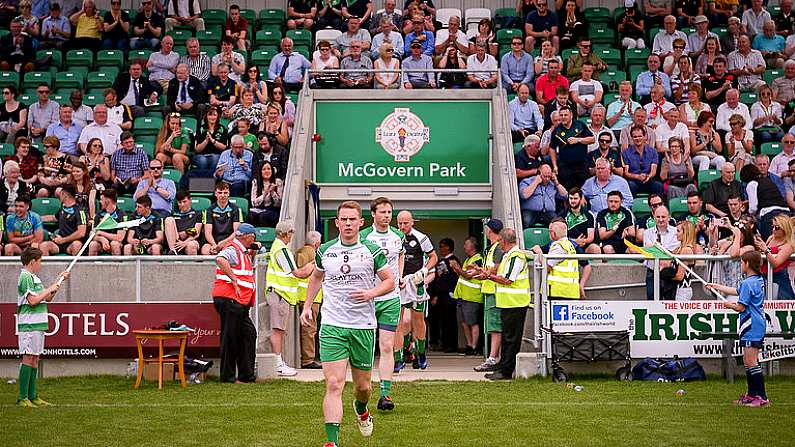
x=161, y=336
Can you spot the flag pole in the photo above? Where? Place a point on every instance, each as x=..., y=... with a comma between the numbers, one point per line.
x=689, y=270
x=83, y=248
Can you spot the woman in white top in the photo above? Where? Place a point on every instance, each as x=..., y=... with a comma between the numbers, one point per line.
x=671, y=62
x=385, y=61
x=324, y=59
x=689, y=111
x=767, y=117
x=739, y=142
x=541, y=63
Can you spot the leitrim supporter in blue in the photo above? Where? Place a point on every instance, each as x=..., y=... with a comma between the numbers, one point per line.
x=751, y=327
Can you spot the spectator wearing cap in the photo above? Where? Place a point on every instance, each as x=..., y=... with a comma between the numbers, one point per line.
x=747, y=64
x=55, y=29
x=728, y=42
x=528, y=160
x=287, y=69
x=354, y=33
x=697, y=39
x=420, y=34
x=233, y=295
x=538, y=196
x=754, y=18
x=418, y=60
x=356, y=61
x=517, y=67
x=771, y=45
x=486, y=75
x=631, y=26
x=524, y=115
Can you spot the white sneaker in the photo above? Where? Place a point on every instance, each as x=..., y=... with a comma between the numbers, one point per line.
x=488, y=365
x=365, y=424
x=285, y=370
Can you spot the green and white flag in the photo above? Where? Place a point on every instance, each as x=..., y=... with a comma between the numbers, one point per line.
x=110, y=223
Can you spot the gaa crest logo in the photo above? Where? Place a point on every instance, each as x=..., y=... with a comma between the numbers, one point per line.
x=402, y=134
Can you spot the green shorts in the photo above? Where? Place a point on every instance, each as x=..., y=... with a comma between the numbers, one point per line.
x=388, y=314
x=339, y=343
x=417, y=306
x=492, y=312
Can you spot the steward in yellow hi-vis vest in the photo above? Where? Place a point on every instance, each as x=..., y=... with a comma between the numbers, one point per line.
x=564, y=274
x=469, y=298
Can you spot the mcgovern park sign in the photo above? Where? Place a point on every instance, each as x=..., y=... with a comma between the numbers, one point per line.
x=367, y=142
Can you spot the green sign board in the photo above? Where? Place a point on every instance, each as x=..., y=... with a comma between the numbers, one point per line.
x=379, y=142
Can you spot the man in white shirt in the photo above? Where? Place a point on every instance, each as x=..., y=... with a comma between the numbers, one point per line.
x=779, y=165
x=184, y=13
x=452, y=36
x=664, y=40
x=729, y=108
x=747, y=65
x=671, y=127
x=586, y=92
x=665, y=235
x=755, y=17
x=656, y=109
x=107, y=133
x=482, y=61
x=42, y=113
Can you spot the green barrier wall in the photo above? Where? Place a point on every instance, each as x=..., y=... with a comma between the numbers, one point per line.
x=373, y=142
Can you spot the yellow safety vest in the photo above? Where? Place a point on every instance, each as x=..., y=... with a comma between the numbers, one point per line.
x=564, y=279
x=303, y=283
x=488, y=286
x=517, y=294
x=282, y=282
x=469, y=289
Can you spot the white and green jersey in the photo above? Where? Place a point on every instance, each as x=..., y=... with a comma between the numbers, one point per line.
x=391, y=243
x=30, y=318
x=348, y=268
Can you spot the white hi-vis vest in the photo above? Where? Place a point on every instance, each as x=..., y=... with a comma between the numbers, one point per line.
x=564, y=279
x=282, y=282
x=517, y=294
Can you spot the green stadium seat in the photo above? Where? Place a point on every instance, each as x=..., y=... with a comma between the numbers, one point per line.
x=146, y=147
x=640, y=207
x=110, y=58
x=272, y=16
x=505, y=12
x=720, y=31
x=609, y=97
x=139, y=54
x=92, y=99
x=300, y=37
x=190, y=123
x=126, y=204
x=180, y=36
x=32, y=79
x=535, y=236
x=172, y=174
x=771, y=149
x=302, y=50
x=249, y=14
x=268, y=38
x=56, y=57
x=79, y=58
x=504, y=36
x=612, y=79
x=6, y=150
x=147, y=125
x=99, y=79
x=266, y=236
x=132, y=13
x=704, y=177
x=241, y=203
x=769, y=75
x=636, y=56
x=598, y=14
x=678, y=206
x=4, y=32
x=634, y=70
x=9, y=78
x=70, y=79
x=47, y=206
x=262, y=57
x=27, y=97
x=214, y=17
x=611, y=56
x=200, y=203
x=748, y=98
x=601, y=34
x=209, y=37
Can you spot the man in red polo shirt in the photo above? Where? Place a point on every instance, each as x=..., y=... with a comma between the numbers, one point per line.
x=548, y=83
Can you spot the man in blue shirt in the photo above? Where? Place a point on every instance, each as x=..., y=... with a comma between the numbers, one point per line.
x=649, y=78
x=418, y=60
x=596, y=188
x=425, y=38
x=640, y=162
x=287, y=68
x=771, y=45
x=234, y=167
x=55, y=29
x=541, y=24
x=160, y=190
x=538, y=196
x=66, y=131
x=516, y=67
x=524, y=115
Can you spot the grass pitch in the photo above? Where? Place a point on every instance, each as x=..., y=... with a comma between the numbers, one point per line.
x=106, y=411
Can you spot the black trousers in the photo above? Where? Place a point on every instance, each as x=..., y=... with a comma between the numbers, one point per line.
x=238, y=341
x=512, y=331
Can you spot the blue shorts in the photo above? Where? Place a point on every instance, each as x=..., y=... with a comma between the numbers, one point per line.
x=752, y=344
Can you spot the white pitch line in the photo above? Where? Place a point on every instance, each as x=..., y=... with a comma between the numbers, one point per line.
x=408, y=404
